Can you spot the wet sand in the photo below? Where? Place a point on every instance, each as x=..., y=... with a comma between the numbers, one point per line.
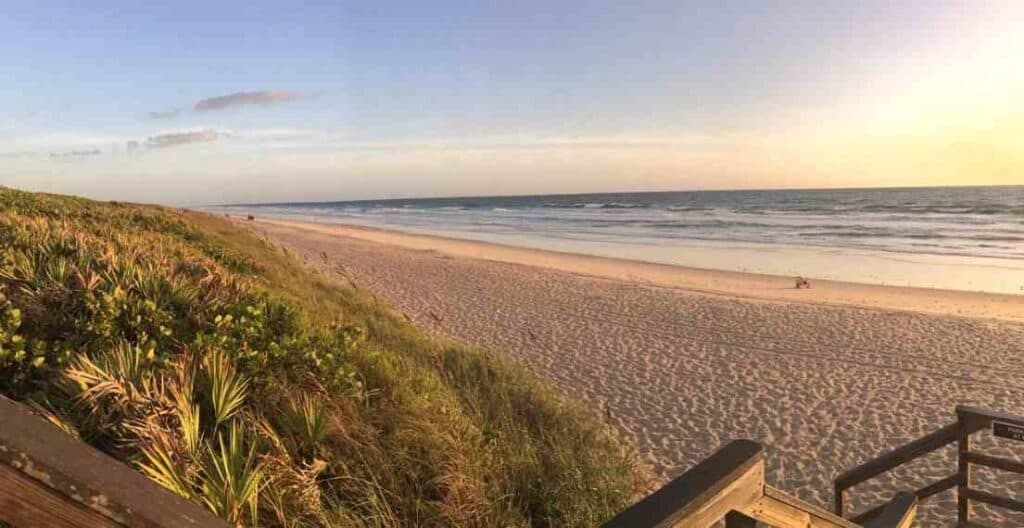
x=680, y=361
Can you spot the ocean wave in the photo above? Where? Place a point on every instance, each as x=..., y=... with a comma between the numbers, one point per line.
x=998, y=238
x=874, y=234
x=914, y=210
x=950, y=209
x=595, y=205
x=984, y=222
x=686, y=208
x=967, y=237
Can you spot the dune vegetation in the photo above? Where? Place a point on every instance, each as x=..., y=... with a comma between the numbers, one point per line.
x=237, y=377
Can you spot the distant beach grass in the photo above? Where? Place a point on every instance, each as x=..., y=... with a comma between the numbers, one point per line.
x=235, y=376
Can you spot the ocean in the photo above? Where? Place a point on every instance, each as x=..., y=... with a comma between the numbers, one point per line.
x=949, y=227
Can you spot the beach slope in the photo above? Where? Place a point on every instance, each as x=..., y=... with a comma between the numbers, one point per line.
x=683, y=360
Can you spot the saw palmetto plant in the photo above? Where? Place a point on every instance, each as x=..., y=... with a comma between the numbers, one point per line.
x=234, y=376
x=225, y=387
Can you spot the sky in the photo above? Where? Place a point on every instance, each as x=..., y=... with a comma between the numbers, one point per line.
x=191, y=103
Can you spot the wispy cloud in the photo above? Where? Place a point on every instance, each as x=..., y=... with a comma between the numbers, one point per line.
x=184, y=137
x=275, y=133
x=17, y=154
x=164, y=115
x=62, y=141
x=75, y=154
x=261, y=98
x=511, y=142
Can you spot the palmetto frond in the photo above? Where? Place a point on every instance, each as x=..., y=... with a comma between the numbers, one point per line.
x=87, y=279
x=162, y=467
x=117, y=376
x=186, y=410
x=227, y=388
x=233, y=478
x=311, y=418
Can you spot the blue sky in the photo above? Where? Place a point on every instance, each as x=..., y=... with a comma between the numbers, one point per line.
x=340, y=100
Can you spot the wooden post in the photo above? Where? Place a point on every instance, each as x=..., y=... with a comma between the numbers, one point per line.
x=736, y=519
x=963, y=468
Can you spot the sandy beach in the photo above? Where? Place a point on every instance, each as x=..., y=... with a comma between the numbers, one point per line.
x=681, y=361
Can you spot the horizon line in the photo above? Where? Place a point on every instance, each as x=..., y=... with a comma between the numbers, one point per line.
x=489, y=196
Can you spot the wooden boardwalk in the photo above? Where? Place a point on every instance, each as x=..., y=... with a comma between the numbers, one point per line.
x=969, y=420
x=730, y=485
x=48, y=478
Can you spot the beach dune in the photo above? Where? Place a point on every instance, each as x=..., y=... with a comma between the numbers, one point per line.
x=681, y=361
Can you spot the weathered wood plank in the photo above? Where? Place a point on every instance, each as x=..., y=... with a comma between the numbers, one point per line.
x=821, y=514
x=995, y=500
x=901, y=455
x=899, y=513
x=923, y=493
x=937, y=487
x=963, y=469
x=736, y=519
x=26, y=502
x=986, y=416
x=736, y=496
x=969, y=421
x=779, y=509
x=1004, y=464
x=75, y=471
x=727, y=480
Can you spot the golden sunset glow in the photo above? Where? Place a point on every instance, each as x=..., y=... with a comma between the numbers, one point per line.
x=931, y=100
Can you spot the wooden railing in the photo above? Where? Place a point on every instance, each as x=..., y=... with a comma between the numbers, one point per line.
x=969, y=420
x=50, y=479
x=730, y=485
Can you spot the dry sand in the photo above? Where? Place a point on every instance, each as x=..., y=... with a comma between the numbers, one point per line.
x=685, y=360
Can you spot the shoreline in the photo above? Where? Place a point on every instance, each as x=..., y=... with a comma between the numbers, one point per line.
x=736, y=284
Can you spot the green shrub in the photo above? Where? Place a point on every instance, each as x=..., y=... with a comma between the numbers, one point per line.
x=235, y=377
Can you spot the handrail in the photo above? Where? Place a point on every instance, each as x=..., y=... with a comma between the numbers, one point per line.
x=49, y=478
x=730, y=484
x=899, y=456
x=988, y=415
x=697, y=489
x=934, y=488
x=969, y=421
x=1004, y=464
